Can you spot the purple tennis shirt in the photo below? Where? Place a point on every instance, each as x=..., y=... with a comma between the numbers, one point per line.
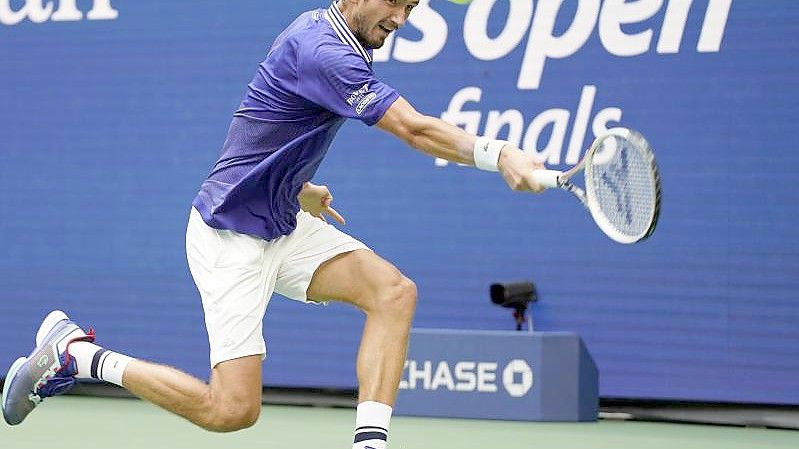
x=314, y=77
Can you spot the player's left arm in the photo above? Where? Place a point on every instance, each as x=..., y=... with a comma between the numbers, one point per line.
x=438, y=138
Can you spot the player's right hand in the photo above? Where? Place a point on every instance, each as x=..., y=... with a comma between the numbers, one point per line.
x=516, y=167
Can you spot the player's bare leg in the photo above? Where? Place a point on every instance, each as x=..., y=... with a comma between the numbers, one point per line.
x=230, y=402
x=65, y=353
x=388, y=299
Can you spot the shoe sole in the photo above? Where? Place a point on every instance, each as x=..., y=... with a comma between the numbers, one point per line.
x=12, y=372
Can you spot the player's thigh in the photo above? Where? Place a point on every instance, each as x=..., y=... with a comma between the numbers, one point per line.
x=235, y=274
x=358, y=277
x=312, y=244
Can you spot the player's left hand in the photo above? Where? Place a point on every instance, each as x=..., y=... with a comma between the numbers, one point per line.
x=316, y=201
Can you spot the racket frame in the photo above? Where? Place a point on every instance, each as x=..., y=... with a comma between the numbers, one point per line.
x=588, y=196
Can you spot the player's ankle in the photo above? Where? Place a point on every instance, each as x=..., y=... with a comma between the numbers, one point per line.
x=371, y=425
x=95, y=362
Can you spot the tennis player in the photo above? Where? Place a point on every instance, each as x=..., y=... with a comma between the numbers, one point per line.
x=257, y=227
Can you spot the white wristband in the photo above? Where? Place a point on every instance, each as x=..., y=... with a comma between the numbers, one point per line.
x=486, y=153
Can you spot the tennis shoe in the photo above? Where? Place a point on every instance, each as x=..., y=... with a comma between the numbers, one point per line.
x=47, y=371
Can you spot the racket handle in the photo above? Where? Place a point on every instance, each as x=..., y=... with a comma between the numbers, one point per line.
x=547, y=178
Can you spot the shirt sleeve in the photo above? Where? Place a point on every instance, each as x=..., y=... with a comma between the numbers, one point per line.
x=340, y=81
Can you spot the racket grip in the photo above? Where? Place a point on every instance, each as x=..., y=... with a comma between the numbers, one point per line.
x=547, y=178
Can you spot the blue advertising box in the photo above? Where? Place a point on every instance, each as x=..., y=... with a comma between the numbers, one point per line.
x=520, y=376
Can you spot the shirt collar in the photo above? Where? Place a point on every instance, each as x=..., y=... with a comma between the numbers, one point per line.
x=339, y=24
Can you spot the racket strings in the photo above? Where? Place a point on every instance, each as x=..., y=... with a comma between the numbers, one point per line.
x=624, y=186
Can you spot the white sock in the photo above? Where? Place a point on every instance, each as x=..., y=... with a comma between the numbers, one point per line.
x=94, y=362
x=371, y=425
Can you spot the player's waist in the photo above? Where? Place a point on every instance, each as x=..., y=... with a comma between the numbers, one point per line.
x=223, y=207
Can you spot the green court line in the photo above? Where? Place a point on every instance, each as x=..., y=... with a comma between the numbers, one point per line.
x=102, y=423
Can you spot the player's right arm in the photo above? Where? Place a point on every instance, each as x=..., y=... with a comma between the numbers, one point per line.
x=340, y=81
x=438, y=138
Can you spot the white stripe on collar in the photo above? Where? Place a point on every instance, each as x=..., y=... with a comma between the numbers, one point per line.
x=339, y=24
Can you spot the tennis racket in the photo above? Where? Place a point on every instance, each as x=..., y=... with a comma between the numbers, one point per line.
x=622, y=185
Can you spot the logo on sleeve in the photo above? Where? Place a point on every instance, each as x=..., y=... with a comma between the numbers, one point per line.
x=361, y=98
x=365, y=101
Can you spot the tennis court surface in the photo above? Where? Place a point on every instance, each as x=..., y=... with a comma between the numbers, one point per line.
x=88, y=423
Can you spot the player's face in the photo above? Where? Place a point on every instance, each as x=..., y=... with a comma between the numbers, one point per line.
x=376, y=19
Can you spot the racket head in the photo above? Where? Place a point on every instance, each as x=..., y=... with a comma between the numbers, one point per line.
x=622, y=185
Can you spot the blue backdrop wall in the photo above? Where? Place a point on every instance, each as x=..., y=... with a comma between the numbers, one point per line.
x=112, y=112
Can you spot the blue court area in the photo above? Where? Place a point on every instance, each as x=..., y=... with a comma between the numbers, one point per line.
x=89, y=423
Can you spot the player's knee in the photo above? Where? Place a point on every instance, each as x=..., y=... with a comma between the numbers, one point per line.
x=233, y=416
x=398, y=298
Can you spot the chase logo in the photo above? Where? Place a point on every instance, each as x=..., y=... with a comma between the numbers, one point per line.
x=39, y=11
x=517, y=378
x=467, y=377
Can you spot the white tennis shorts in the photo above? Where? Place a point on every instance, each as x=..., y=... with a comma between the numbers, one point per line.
x=236, y=275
